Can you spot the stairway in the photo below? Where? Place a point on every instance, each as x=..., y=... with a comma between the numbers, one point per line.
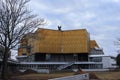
x=65, y=66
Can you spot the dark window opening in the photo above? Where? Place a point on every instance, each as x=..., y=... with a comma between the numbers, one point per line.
x=24, y=54
x=83, y=57
x=40, y=57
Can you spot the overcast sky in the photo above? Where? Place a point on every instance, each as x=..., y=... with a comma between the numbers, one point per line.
x=101, y=18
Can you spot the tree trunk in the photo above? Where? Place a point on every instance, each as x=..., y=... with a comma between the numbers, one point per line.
x=4, y=73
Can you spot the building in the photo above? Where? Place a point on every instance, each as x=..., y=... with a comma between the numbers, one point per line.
x=51, y=43
x=47, y=50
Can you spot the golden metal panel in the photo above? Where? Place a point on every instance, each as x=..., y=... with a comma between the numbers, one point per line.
x=22, y=51
x=75, y=42
x=55, y=41
x=19, y=51
x=93, y=44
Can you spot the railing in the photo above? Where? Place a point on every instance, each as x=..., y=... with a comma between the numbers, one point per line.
x=11, y=61
x=65, y=66
x=61, y=63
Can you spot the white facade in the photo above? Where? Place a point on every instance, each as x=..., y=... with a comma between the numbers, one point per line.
x=107, y=61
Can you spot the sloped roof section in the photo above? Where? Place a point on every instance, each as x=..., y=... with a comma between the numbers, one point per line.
x=93, y=44
x=56, y=41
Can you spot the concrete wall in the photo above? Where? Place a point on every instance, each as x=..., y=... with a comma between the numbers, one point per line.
x=95, y=70
x=75, y=77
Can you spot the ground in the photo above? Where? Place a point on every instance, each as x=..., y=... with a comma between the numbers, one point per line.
x=40, y=76
x=102, y=75
x=108, y=75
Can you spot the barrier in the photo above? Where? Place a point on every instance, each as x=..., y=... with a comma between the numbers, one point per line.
x=74, y=77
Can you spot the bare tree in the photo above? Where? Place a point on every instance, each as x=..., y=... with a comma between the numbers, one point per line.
x=118, y=60
x=117, y=43
x=15, y=21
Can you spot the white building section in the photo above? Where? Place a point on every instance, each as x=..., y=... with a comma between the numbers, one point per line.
x=107, y=61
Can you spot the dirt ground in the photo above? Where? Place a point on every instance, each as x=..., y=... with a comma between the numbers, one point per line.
x=108, y=75
x=36, y=76
x=40, y=76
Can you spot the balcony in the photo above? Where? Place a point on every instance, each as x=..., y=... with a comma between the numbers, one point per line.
x=63, y=63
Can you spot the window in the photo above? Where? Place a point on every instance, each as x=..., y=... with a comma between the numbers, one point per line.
x=96, y=59
x=23, y=53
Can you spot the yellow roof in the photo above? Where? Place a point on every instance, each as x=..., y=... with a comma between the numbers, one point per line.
x=93, y=44
x=56, y=41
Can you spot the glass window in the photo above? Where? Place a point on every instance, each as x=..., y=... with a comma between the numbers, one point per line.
x=96, y=59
